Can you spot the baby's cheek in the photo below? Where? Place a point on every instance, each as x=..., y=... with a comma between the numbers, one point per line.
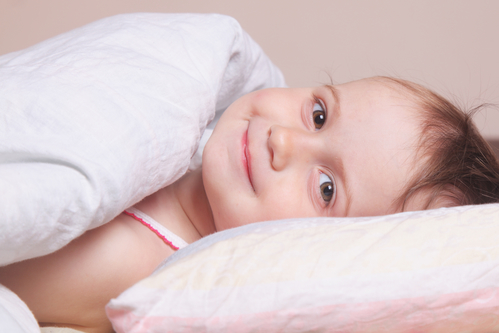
x=289, y=211
x=285, y=207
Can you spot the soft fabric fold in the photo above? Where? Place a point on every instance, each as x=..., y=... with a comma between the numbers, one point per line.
x=95, y=119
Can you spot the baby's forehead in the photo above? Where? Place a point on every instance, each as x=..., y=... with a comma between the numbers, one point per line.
x=380, y=93
x=384, y=86
x=400, y=89
x=377, y=137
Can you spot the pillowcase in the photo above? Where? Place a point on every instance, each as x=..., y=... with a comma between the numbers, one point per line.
x=435, y=270
x=94, y=120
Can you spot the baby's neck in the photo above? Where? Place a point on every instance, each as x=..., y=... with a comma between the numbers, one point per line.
x=190, y=193
x=182, y=208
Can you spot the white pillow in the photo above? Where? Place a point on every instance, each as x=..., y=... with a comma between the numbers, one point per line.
x=95, y=119
x=427, y=271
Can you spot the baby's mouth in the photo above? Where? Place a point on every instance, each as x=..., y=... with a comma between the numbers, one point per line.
x=247, y=158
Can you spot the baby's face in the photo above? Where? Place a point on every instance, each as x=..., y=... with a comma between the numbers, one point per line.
x=345, y=150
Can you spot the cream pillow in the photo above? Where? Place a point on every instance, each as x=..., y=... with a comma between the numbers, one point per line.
x=427, y=271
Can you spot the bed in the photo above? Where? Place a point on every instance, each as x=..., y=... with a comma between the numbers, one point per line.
x=85, y=110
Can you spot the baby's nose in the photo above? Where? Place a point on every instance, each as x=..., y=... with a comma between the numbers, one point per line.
x=285, y=144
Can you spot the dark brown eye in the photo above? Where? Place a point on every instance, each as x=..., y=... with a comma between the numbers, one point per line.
x=319, y=119
x=327, y=191
x=319, y=114
x=327, y=188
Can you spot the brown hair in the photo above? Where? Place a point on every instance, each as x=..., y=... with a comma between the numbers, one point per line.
x=459, y=166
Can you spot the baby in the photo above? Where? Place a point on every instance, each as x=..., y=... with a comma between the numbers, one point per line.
x=370, y=147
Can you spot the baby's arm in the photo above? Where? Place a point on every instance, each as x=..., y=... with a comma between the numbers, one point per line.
x=71, y=286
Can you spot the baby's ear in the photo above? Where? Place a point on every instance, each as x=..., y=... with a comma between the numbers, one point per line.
x=446, y=196
x=435, y=197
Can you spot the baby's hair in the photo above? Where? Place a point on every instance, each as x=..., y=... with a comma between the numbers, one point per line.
x=459, y=166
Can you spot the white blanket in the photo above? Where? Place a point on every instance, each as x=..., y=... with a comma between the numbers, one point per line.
x=94, y=120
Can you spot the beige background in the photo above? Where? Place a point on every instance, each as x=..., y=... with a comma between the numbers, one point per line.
x=450, y=46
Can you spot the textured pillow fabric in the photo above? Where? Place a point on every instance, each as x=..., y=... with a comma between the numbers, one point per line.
x=15, y=317
x=427, y=271
x=95, y=119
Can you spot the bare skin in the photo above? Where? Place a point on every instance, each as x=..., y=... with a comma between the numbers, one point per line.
x=71, y=287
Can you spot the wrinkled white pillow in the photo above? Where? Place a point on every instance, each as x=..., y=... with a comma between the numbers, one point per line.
x=427, y=271
x=95, y=119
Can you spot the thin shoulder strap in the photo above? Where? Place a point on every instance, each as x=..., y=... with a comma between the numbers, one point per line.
x=166, y=235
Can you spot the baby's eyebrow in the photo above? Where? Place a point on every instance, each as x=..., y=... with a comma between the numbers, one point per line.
x=336, y=96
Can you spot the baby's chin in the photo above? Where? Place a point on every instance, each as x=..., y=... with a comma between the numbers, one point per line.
x=221, y=225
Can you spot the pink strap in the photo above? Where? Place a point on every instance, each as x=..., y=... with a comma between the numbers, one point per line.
x=174, y=241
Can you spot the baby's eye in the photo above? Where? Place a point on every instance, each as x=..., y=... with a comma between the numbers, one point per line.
x=327, y=188
x=319, y=114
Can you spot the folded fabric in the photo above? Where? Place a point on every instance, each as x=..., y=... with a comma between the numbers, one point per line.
x=427, y=271
x=15, y=317
x=94, y=120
